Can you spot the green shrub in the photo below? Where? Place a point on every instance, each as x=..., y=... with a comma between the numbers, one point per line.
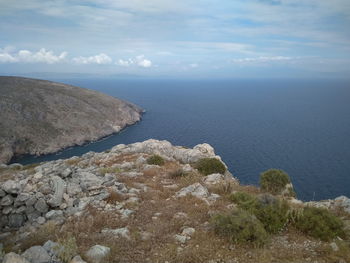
x=240, y=227
x=320, y=223
x=155, y=160
x=208, y=166
x=273, y=216
x=274, y=181
x=244, y=201
x=271, y=212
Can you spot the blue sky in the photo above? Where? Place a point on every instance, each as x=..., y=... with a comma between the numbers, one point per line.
x=183, y=38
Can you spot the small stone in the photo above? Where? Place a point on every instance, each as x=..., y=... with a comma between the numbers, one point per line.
x=59, y=188
x=16, y=220
x=180, y=238
x=77, y=259
x=31, y=201
x=41, y=220
x=37, y=254
x=52, y=214
x=6, y=200
x=41, y=206
x=334, y=246
x=7, y=210
x=14, y=258
x=2, y=193
x=188, y=231
x=120, y=232
x=97, y=253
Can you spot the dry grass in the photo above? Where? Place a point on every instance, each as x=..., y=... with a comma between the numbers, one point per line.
x=117, y=159
x=73, y=162
x=114, y=197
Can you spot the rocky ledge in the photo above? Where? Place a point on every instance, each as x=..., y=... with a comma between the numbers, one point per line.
x=116, y=207
x=40, y=117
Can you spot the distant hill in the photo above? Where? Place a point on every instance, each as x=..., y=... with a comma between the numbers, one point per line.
x=39, y=117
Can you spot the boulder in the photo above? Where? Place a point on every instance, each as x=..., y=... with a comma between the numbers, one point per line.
x=213, y=179
x=36, y=254
x=11, y=187
x=195, y=189
x=59, y=188
x=97, y=254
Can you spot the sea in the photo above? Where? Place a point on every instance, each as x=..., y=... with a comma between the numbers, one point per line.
x=300, y=126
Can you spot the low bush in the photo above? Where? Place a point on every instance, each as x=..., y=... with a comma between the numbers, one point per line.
x=320, y=223
x=155, y=160
x=208, y=166
x=273, y=216
x=274, y=181
x=271, y=212
x=244, y=201
x=240, y=227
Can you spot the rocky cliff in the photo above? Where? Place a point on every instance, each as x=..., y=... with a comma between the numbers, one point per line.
x=39, y=117
x=144, y=202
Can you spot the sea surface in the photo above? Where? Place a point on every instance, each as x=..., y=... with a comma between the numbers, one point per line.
x=300, y=126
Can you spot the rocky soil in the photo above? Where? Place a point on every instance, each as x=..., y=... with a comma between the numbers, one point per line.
x=115, y=207
x=40, y=117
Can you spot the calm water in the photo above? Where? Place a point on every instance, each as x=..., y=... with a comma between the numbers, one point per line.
x=302, y=127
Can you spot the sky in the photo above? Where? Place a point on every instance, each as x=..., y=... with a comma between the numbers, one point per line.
x=182, y=38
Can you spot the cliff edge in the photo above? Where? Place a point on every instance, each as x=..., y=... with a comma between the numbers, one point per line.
x=40, y=117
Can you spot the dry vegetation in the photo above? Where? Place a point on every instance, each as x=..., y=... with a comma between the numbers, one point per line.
x=155, y=214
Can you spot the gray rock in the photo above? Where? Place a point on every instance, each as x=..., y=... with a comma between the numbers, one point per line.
x=14, y=258
x=41, y=220
x=41, y=206
x=119, y=232
x=20, y=209
x=97, y=253
x=343, y=202
x=73, y=189
x=51, y=247
x=77, y=259
x=2, y=193
x=11, y=187
x=213, y=179
x=59, y=188
x=89, y=181
x=7, y=210
x=66, y=172
x=31, y=201
x=15, y=220
x=181, y=238
x=53, y=214
x=36, y=254
x=188, y=231
x=6, y=200
x=22, y=197
x=33, y=216
x=195, y=189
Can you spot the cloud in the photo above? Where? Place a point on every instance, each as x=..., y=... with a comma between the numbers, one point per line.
x=193, y=65
x=26, y=56
x=140, y=61
x=98, y=59
x=261, y=59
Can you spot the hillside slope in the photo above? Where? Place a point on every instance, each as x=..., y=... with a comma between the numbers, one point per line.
x=40, y=117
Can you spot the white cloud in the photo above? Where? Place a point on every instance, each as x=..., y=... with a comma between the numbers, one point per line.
x=140, y=61
x=261, y=59
x=193, y=65
x=98, y=59
x=26, y=56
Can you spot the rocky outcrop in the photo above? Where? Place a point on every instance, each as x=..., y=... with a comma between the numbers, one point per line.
x=40, y=117
x=117, y=201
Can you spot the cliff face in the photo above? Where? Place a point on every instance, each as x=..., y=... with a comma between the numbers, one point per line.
x=40, y=117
